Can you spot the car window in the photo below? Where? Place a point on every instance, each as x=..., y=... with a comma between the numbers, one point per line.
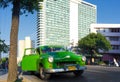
x=30, y=51
x=76, y=50
x=52, y=49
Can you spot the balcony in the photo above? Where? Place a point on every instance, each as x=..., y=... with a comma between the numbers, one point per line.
x=115, y=42
x=111, y=51
x=111, y=33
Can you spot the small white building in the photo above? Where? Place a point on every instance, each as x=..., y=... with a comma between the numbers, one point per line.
x=112, y=33
x=22, y=44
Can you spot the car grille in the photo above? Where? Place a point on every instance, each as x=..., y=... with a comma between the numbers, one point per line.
x=61, y=64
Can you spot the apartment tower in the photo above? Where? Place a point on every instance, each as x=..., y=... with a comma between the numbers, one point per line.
x=61, y=22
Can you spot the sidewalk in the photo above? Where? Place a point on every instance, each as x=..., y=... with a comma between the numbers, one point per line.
x=3, y=78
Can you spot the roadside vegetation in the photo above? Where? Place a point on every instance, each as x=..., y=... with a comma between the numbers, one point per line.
x=92, y=43
x=4, y=48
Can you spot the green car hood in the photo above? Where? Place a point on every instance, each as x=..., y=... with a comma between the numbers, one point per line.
x=65, y=56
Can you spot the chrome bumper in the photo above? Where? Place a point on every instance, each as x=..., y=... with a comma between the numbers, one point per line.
x=64, y=69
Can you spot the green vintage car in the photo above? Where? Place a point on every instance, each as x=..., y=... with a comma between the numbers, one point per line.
x=47, y=60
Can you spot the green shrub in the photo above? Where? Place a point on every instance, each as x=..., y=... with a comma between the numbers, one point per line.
x=101, y=63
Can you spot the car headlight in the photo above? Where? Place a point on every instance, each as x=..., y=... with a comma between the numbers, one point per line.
x=50, y=59
x=83, y=58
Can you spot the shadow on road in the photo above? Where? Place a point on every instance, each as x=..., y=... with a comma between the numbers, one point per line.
x=69, y=77
x=92, y=74
x=61, y=77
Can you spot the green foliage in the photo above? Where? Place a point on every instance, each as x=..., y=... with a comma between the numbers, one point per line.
x=3, y=47
x=4, y=3
x=41, y=0
x=101, y=63
x=26, y=6
x=3, y=60
x=92, y=43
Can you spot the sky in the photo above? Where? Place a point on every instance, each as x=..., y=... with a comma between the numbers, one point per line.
x=27, y=25
x=107, y=12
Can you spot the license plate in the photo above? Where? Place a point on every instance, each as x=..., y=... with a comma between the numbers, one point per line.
x=71, y=68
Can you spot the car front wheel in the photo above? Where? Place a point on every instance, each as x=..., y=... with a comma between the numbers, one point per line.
x=78, y=73
x=43, y=75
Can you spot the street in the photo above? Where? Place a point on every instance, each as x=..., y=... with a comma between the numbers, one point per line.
x=92, y=74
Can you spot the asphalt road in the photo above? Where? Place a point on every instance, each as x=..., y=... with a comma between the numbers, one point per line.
x=92, y=74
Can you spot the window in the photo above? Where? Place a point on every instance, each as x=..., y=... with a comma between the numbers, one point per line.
x=115, y=30
x=98, y=30
x=115, y=47
x=104, y=30
x=114, y=38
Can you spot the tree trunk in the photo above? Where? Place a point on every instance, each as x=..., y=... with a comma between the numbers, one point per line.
x=0, y=56
x=12, y=71
x=91, y=58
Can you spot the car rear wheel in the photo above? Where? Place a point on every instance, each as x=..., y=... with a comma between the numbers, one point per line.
x=78, y=73
x=43, y=75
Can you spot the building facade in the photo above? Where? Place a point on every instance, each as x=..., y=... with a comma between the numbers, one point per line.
x=22, y=44
x=60, y=21
x=87, y=16
x=112, y=33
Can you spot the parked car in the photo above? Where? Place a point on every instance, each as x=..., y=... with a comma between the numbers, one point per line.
x=52, y=59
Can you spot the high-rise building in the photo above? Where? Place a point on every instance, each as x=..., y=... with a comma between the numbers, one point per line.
x=87, y=16
x=61, y=22
x=27, y=43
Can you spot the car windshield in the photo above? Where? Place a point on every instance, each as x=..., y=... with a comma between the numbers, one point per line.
x=46, y=49
x=76, y=50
